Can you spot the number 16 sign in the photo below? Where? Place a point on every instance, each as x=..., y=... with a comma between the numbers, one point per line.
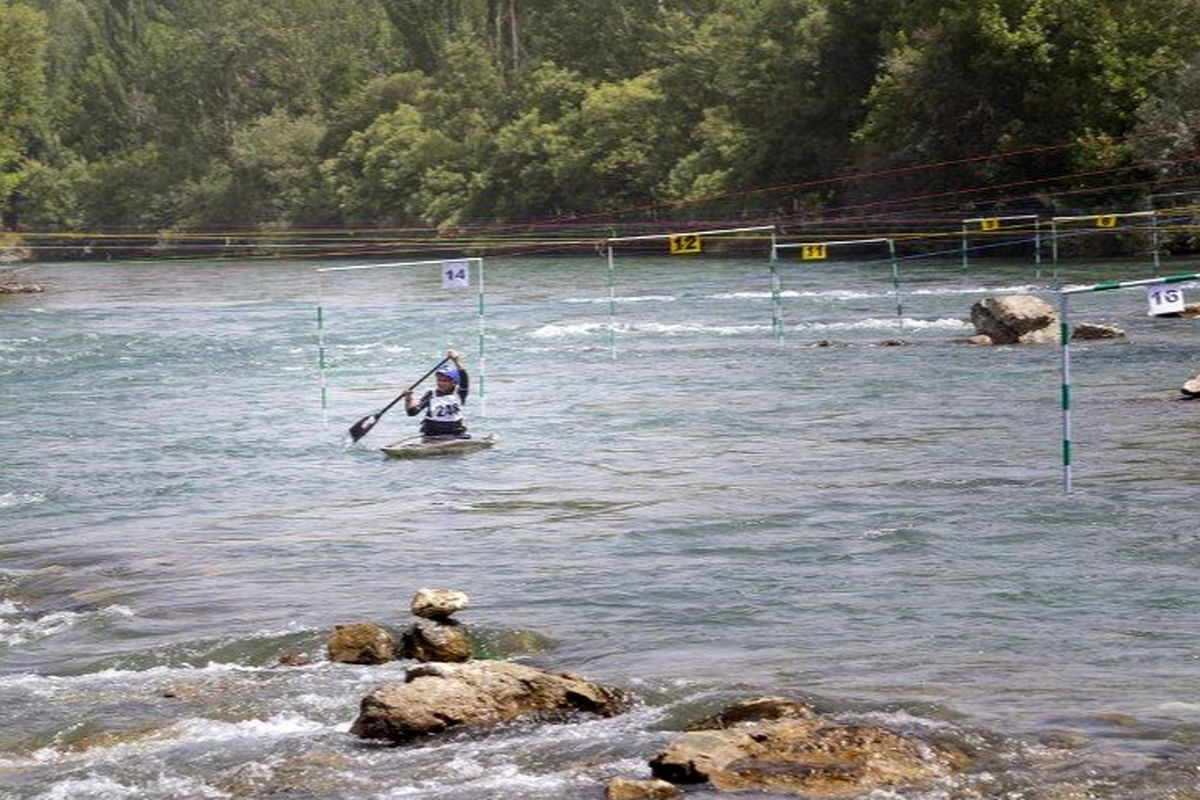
x=1164, y=299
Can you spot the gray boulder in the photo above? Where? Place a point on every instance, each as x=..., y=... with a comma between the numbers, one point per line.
x=1015, y=319
x=439, y=603
x=1191, y=389
x=438, y=697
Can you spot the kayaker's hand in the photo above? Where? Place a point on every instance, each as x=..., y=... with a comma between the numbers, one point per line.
x=452, y=355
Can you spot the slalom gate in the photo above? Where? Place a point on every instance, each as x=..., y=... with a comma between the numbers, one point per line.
x=997, y=229
x=1163, y=299
x=688, y=243
x=456, y=274
x=819, y=251
x=1123, y=222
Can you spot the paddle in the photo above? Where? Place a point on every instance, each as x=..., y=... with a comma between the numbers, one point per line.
x=364, y=425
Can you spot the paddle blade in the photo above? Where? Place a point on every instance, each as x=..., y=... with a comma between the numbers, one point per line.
x=363, y=427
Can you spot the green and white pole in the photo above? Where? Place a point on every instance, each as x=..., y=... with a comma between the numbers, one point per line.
x=1037, y=246
x=964, y=250
x=776, y=293
x=612, y=305
x=1064, y=339
x=1054, y=249
x=1065, y=345
x=321, y=352
x=891, y=243
x=1154, y=240
x=482, y=354
x=321, y=365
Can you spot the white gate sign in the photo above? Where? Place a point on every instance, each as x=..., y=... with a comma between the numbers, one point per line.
x=456, y=275
x=1164, y=299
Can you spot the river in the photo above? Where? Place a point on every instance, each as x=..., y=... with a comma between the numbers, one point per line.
x=862, y=511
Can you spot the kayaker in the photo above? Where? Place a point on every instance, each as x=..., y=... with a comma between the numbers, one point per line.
x=443, y=406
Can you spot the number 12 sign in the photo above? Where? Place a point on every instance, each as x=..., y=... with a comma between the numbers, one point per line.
x=1164, y=299
x=456, y=275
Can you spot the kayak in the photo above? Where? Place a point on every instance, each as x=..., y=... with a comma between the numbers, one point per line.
x=423, y=446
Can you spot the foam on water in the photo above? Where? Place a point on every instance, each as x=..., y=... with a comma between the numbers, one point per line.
x=879, y=323
x=16, y=499
x=22, y=630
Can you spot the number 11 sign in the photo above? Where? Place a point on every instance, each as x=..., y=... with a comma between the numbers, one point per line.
x=1164, y=299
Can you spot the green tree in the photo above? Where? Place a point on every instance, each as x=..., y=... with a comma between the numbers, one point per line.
x=1006, y=74
x=22, y=98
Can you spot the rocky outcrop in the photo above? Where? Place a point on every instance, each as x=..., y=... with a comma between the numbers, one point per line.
x=10, y=280
x=1087, y=331
x=777, y=745
x=439, y=603
x=361, y=643
x=431, y=640
x=1015, y=319
x=759, y=709
x=438, y=697
x=435, y=636
x=627, y=789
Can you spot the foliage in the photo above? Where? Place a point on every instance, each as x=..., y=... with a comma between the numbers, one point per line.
x=152, y=114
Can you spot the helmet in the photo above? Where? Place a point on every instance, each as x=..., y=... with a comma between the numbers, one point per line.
x=449, y=371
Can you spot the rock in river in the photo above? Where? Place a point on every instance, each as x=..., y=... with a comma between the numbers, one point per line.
x=436, y=697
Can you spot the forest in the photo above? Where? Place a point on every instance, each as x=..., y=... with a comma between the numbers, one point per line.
x=120, y=116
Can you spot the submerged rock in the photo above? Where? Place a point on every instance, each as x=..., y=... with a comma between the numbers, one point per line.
x=1087, y=331
x=626, y=789
x=760, y=709
x=437, y=697
x=361, y=643
x=813, y=757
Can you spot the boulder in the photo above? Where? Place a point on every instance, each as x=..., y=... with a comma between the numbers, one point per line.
x=759, y=709
x=361, y=643
x=626, y=789
x=439, y=603
x=437, y=697
x=1015, y=319
x=1191, y=389
x=812, y=757
x=1086, y=331
x=429, y=640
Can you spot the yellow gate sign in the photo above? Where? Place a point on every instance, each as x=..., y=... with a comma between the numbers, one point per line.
x=812, y=252
x=685, y=244
x=989, y=224
x=1106, y=221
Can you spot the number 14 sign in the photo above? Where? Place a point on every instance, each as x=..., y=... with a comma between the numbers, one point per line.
x=1164, y=299
x=456, y=275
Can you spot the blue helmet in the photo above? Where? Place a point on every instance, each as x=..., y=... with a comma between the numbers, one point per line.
x=449, y=371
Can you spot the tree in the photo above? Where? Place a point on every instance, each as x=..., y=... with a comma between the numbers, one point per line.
x=22, y=99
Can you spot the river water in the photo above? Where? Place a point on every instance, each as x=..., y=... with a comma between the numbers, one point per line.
x=864, y=512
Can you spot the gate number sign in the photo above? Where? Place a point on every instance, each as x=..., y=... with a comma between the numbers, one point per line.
x=1164, y=299
x=456, y=275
